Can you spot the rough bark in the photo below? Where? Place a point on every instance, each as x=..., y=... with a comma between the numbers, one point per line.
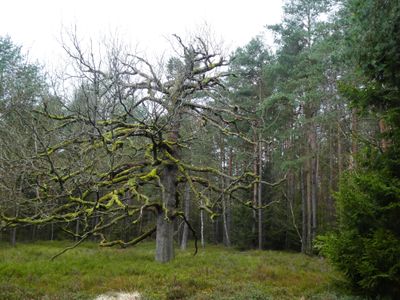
x=165, y=219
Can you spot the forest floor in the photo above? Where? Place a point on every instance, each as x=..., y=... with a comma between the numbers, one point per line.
x=26, y=272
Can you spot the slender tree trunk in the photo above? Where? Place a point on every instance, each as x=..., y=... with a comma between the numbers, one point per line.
x=303, y=212
x=95, y=219
x=314, y=182
x=260, y=217
x=339, y=150
x=255, y=199
x=331, y=176
x=37, y=190
x=52, y=232
x=309, y=206
x=13, y=237
x=33, y=237
x=223, y=167
x=217, y=235
x=227, y=204
x=289, y=205
x=354, y=148
x=185, y=233
x=202, y=241
x=227, y=240
x=13, y=233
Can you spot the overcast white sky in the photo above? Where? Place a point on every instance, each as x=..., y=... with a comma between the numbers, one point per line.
x=37, y=25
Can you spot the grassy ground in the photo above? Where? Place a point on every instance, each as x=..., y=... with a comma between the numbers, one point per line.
x=214, y=273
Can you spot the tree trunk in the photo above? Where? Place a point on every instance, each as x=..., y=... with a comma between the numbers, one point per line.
x=226, y=204
x=202, y=227
x=227, y=240
x=13, y=237
x=339, y=151
x=13, y=233
x=303, y=213
x=51, y=231
x=165, y=220
x=33, y=237
x=255, y=200
x=95, y=219
x=314, y=182
x=260, y=217
x=223, y=167
x=185, y=233
x=169, y=173
x=354, y=148
x=309, y=205
x=331, y=176
x=216, y=226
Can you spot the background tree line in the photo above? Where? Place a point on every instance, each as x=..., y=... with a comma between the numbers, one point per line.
x=314, y=123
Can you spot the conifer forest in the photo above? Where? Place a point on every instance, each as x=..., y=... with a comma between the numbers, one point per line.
x=285, y=147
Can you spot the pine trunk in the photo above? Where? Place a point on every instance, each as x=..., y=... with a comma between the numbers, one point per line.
x=314, y=182
x=303, y=213
x=331, y=177
x=255, y=200
x=339, y=151
x=309, y=205
x=260, y=216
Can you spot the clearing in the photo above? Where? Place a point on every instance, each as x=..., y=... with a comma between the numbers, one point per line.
x=26, y=272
